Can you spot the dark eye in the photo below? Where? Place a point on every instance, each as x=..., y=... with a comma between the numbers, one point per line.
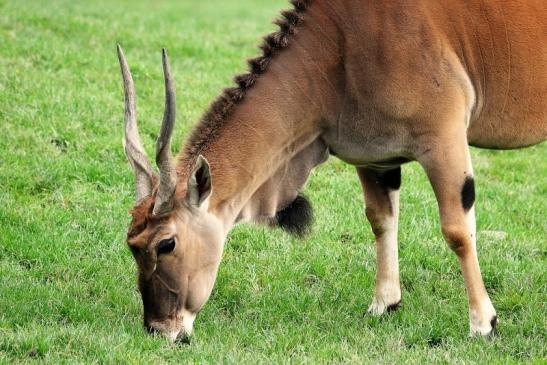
x=166, y=246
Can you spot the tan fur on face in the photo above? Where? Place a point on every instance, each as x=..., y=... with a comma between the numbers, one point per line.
x=175, y=285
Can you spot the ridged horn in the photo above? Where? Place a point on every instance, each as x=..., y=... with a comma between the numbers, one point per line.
x=168, y=176
x=132, y=143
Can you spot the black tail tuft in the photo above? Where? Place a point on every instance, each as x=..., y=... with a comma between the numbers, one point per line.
x=297, y=217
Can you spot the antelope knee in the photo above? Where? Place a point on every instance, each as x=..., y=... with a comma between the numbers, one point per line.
x=377, y=220
x=457, y=237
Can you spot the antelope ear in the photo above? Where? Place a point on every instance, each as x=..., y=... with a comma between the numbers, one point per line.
x=200, y=184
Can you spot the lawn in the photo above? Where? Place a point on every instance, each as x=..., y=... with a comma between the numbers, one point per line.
x=67, y=280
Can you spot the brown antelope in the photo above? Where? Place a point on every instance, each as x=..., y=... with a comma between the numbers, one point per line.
x=375, y=83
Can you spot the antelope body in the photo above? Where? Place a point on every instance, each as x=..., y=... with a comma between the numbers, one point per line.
x=377, y=84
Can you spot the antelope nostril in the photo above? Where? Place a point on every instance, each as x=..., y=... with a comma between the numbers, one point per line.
x=150, y=330
x=183, y=338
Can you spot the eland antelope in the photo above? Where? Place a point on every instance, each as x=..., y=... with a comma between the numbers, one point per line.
x=374, y=83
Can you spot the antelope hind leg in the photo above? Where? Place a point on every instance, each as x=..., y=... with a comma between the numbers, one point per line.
x=381, y=190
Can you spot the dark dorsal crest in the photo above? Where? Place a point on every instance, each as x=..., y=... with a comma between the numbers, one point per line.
x=212, y=121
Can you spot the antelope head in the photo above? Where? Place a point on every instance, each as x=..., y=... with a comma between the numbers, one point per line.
x=175, y=241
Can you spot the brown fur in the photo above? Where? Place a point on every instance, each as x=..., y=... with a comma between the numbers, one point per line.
x=378, y=83
x=213, y=120
x=141, y=213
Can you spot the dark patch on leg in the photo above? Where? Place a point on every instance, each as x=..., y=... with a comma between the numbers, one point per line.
x=393, y=307
x=468, y=193
x=390, y=179
x=296, y=218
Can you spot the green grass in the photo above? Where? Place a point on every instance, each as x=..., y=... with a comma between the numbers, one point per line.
x=67, y=281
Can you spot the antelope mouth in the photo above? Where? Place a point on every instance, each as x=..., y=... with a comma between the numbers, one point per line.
x=161, y=329
x=178, y=329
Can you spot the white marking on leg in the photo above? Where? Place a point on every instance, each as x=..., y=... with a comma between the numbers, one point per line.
x=482, y=312
x=388, y=290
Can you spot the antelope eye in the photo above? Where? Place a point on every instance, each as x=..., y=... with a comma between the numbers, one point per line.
x=166, y=246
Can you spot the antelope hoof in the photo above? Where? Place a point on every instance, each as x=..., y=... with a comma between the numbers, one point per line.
x=487, y=330
x=379, y=307
x=483, y=322
x=387, y=298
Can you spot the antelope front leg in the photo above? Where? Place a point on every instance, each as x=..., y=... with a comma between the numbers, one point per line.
x=382, y=210
x=448, y=166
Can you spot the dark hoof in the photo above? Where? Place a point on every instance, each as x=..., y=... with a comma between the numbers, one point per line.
x=493, y=323
x=372, y=310
x=393, y=307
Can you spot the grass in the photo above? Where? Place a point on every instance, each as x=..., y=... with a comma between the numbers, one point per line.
x=67, y=280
